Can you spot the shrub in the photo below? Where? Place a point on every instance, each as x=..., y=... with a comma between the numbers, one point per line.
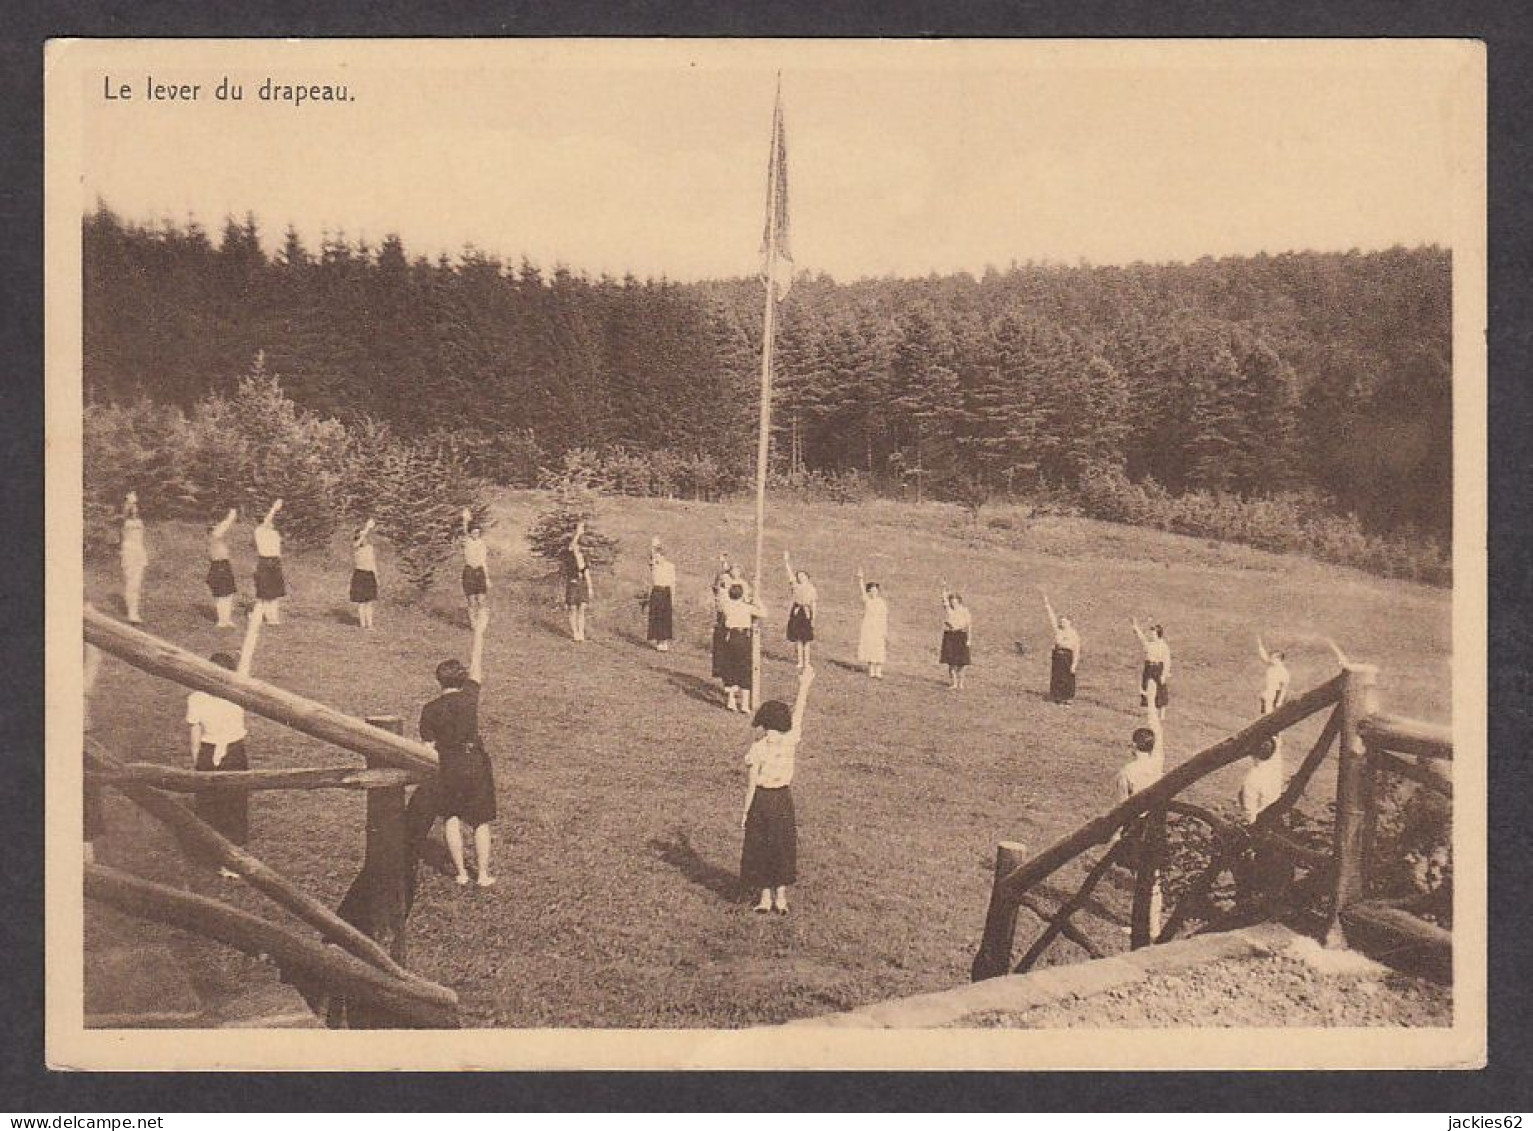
x=140, y=447
x=818, y=486
x=416, y=490
x=511, y=459
x=572, y=500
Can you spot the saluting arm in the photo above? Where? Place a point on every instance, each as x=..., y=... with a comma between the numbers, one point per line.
x=225, y=523
x=476, y=652
x=272, y=512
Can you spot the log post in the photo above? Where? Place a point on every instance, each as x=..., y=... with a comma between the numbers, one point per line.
x=994, y=957
x=1145, y=922
x=1354, y=804
x=378, y=902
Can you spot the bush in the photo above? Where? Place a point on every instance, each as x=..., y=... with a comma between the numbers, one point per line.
x=140, y=447
x=256, y=445
x=815, y=486
x=572, y=500
x=511, y=459
x=1283, y=523
x=416, y=490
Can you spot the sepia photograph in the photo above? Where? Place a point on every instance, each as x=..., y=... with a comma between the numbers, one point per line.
x=703, y=554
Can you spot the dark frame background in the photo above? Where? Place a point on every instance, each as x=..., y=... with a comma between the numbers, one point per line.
x=1506, y=1085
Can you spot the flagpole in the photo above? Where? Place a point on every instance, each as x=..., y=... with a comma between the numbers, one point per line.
x=764, y=435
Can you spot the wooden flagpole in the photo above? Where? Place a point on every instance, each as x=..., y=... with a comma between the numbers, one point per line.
x=763, y=438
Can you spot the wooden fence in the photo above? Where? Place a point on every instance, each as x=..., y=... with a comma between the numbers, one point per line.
x=1368, y=743
x=355, y=973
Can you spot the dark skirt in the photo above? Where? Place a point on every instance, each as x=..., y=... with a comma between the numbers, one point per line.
x=718, y=646
x=1061, y=678
x=659, y=614
x=269, y=582
x=228, y=812
x=735, y=658
x=467, y=786
x=800, y=627
x=364, y=586
x=221, y=578
x=475, y=583
x=577, y=592
x=770, y=856
x=955, y=647
x=1157, y=672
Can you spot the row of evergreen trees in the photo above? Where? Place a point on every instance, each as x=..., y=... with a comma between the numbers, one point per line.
x=1320, y=373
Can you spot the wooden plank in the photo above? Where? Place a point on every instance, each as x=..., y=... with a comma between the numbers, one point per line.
x=174, y=779
x=1398, y=936
x=1406, y=736
x=994, y=955
x=1070, y=931
x=409, y=1002
x=1416, y=772
x=1354, y=807
x=1071, y=906
x=160, y=657
x=1221, y=754
x=191, y=829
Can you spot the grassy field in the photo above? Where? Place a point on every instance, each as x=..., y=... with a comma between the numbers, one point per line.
x=621, y=778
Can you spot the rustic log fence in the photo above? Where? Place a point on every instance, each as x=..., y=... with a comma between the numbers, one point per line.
x=355, y=974
x=1368, y=742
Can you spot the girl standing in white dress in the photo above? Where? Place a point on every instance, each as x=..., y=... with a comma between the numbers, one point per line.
x=135, y=557
x=873, y=639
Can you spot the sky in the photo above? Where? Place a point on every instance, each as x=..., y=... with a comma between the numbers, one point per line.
x=903, y=158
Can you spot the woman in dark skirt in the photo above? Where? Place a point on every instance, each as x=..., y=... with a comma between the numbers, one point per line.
x=1156, y=673
x=218, y=745
x=721, y=582
x=576, y=571
x=769, y=858
x=270, y=585
x=1065, y=658
x=363, y=590
x=662, y=588
x=802, y=612
x=450, y=722
x=476, y=556
x=220, y=572
x=734, y=662
x=957, y=624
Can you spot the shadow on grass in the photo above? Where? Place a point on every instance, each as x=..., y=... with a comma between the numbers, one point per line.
x=695, y=687
x=679, y=854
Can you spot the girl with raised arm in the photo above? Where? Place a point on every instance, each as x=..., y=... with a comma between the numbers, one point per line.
x=450, y=722
x=135, y=557
x=363, y=590
x=1156, y=673
x=270, y=585
x=1065, y=658
x=662, y=594
x=873, y=637
x=740, y=614
x=801, y=613
x=957, y=624
x=1275, y=679
x=218, y=743
x=476, y=556
x=220, y=571
x=577, y=583
x=769, y=859
x=1145, y=768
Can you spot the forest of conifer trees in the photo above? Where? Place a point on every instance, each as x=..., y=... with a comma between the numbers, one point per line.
x=1320, y=374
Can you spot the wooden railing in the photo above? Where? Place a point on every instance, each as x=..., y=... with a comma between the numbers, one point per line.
x=1135, y=831
x=354, y=974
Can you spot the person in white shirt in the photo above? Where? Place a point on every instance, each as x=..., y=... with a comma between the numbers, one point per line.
x=1065, y=658
x=769, y=857
x=1261, y=871
x=1147, y=767
x=1156, y=673
x=662, y=593
x=1263, y=783
x=270, y=585
x=220, y=572
x=363, y=590
x=873, y=637
x=476, y=577
x=740, y=615
x=802, y=611
x=957, y=627
x=1275, y=678
x=218, y=744
x=135, y=558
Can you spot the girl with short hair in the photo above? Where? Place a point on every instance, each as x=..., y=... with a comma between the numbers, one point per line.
x=220, y=571
x=801, y=612
x=363, y=590
x=873, y=638
x=1065, y=658
x=270, y=585
x=957, y=625
x=769, y=858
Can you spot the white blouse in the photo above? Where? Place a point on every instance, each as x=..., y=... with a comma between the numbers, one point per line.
x=662, y=573
x=222, y=722
x=804, y=593
x=772, y=758
x=1067, y=638
x=738, y=614
x=268, y=542
x=364, y=557
x=958, y=619
x=1157, y=651
x=475, y=553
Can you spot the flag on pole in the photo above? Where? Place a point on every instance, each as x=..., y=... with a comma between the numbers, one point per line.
x=776, y=255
